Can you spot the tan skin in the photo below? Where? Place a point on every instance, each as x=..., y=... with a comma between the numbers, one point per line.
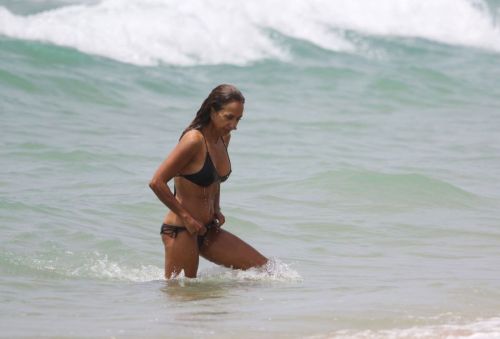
x=195, y=206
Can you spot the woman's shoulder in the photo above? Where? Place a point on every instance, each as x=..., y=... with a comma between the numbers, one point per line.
x=192, y=138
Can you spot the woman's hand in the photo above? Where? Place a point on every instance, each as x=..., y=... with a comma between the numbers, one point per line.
x=194, y=226
x=220, y=217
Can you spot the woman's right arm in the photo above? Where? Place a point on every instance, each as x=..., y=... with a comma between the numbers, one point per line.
x=183, y=153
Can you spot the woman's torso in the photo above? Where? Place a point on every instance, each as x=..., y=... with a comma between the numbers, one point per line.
x=195, y=188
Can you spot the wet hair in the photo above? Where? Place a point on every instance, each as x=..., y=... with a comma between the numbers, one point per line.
x=216, y=100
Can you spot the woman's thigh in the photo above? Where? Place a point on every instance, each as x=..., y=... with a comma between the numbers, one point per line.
x=181, y=253
x=224, y=248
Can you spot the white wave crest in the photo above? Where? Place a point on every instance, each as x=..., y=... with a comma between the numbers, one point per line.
x=479, y=329
x=148, y=32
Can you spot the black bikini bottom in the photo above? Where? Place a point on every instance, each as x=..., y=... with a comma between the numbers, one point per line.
x=173, y=230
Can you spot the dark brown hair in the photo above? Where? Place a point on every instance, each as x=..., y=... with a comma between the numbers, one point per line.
x=220, y=96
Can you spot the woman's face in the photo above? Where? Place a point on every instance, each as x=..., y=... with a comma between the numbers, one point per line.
x=228, y=117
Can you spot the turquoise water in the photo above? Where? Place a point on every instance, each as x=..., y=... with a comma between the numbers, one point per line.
x=366, y=167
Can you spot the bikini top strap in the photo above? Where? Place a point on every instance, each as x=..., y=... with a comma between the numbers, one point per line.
x=227, y=153
x=205, y=139
x=223, y=142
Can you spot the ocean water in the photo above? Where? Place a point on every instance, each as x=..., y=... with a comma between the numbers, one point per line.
x=366, y=166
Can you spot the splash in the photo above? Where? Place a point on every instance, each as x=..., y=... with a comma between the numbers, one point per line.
x=92, y=265
x=274, y=271
x=103, y=268
x=95, y=265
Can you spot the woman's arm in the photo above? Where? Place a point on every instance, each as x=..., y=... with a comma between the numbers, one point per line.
x=177, y=160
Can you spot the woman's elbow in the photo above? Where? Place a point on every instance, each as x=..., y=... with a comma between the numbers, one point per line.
x=154, y=184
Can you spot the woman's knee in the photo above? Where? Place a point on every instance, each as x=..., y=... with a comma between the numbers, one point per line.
x=260, y=260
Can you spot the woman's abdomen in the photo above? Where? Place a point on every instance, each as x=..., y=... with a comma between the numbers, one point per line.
x=200, y=208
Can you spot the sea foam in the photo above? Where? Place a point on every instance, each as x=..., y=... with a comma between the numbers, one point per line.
x=149, y=32
x=480, y=329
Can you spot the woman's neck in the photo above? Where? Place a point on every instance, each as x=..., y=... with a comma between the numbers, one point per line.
x=210, y=134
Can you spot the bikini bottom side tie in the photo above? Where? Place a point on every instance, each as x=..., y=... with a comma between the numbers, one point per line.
x=173, y=230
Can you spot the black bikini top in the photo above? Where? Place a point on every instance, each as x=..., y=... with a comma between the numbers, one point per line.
x=207, y=175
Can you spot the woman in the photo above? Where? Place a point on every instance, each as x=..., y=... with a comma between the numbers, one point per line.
x=198, y=164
